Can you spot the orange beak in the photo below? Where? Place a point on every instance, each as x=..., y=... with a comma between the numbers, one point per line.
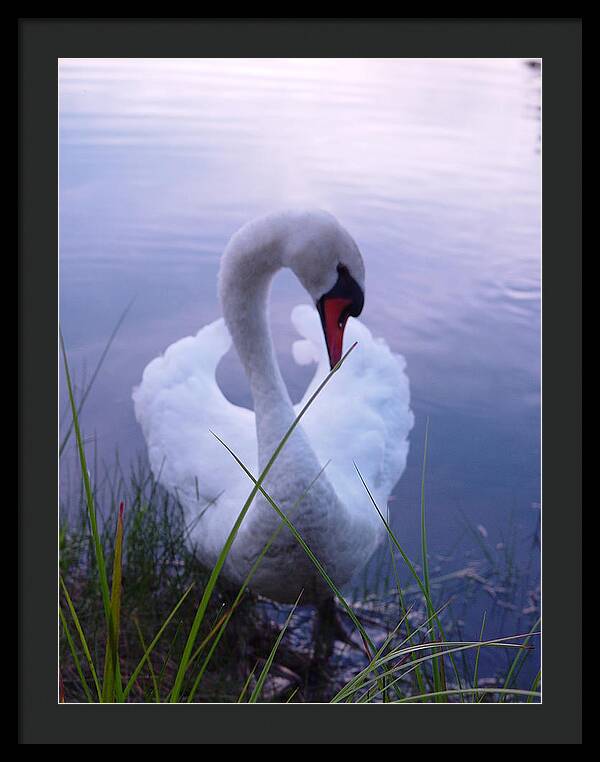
x=334, y=312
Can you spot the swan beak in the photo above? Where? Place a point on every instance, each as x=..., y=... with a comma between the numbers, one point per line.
x=335, y=307
x=334, y=313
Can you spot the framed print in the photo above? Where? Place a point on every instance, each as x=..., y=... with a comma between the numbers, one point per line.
x=283, y=353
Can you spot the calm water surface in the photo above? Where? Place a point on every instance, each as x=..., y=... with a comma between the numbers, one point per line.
x=434, y=168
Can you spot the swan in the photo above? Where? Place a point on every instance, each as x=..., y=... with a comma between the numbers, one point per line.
x=361, y=416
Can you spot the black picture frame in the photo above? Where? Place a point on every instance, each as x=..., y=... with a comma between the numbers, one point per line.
x=558, y=43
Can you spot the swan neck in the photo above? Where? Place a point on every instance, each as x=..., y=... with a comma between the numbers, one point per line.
x=248, y=266
x=244, y=284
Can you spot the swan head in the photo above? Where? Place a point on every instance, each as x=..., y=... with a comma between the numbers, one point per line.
x=319, y=251
x=328, y=263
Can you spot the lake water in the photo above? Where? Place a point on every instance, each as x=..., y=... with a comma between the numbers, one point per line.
x=434, y=168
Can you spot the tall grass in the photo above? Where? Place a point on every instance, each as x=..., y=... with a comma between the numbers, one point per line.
x=179, y=660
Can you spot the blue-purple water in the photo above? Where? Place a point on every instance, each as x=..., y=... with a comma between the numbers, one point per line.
x=434, y=168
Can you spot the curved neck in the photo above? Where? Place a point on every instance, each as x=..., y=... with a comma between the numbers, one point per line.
x=248, y=266
x=244, y=285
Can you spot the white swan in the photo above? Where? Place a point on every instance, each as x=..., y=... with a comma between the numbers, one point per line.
x=361, y=416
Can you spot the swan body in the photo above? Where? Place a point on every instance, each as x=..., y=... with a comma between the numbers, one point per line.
x=362, y=415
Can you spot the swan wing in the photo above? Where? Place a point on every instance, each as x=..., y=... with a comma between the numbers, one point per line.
x=178, y=403
x=362, y=416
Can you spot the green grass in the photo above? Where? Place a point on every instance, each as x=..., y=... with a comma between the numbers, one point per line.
x=163, y=629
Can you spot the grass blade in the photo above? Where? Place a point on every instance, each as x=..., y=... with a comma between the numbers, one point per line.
x=88, y=388
x=358, y=679
x=82, y=639
x=91, y=508
x=439, y=683
x=83, y=681
x=517, y=663
x=111, y=686
x=246, y=684
x=476, y=670
x=149, y=660
x=413, y=571
x=446, y=647
x=403, y=610
x=535, y=685
x=265, y=670
x=379, y=661
x=466, y=691
x=153, y=643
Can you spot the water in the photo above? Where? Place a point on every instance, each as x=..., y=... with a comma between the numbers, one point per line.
x=434, y=168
